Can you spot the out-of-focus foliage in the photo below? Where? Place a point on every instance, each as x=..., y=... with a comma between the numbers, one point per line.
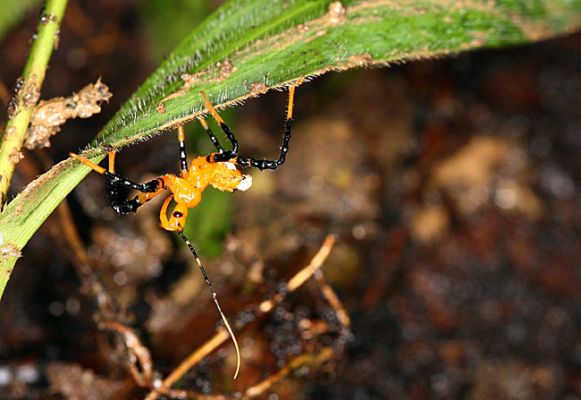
x=12, y=11
x=168, y=22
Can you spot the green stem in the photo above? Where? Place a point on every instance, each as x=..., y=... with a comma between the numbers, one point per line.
x=22, y=106
x=28, y=93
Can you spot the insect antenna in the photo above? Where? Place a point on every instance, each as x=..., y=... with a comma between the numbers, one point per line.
x=215, y=298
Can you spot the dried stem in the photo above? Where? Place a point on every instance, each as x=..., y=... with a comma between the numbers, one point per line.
x=332, y=298
x=296, y=363
x=140, y=364
x=266, y=306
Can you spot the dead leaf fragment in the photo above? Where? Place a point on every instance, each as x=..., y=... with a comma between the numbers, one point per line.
x=50, y=114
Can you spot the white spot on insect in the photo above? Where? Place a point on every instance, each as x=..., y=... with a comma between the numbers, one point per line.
x=230, y=166
x=245, y=183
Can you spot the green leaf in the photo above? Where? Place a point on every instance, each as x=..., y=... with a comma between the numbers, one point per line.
x=249, y=46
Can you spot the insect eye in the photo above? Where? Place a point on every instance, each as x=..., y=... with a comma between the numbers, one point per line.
x=177, y=214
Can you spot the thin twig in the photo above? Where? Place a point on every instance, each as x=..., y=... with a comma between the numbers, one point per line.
x=299, y=361
x=140, y=364
x=266, y=306
x=28, y=93
x=332, y=298
x=139, y=359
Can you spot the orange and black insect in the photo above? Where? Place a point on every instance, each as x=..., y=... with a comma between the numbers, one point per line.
x=221, y=170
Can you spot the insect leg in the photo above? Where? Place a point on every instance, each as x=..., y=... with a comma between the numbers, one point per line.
x=213, y=137
x=214, y=298
x=182, y=144
x=225, y=156
x=274, y=164
x=150, y=186
x=115, y=183
x=121, y=205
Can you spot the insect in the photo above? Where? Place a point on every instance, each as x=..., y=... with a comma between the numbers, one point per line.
x=221, y=170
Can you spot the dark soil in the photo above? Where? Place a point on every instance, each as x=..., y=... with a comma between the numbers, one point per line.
x=452, y=186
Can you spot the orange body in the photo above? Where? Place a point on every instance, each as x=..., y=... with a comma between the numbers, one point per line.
x=187, y=188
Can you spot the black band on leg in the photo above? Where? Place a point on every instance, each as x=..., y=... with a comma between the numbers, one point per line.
x=147, y=187
x=214, y=139
x=117, y=192
x=126, y=207
x=183, y=157
x=271, y=164
x=231, y=138
x=223, y=157
x=117, y=197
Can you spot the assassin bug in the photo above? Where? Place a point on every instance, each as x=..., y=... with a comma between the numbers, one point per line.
x=221, y=170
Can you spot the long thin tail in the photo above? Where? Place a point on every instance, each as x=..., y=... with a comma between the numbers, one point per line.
x=215, y=298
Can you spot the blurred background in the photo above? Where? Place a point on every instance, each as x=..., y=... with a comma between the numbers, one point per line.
x=452, y=186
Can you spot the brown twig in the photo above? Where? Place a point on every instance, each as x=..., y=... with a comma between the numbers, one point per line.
x=264, y=307
x=332, y=298
x=140, y=364
x=302, y=360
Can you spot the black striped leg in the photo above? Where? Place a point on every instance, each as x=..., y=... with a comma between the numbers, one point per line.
x=270, y=164
x=117, y=187
x=274, y=164
x=233, y=141
x=182, y=144
x=116, y=184
x=211, y=135
x=146, y=187
x=225, y=155
x=117, y=194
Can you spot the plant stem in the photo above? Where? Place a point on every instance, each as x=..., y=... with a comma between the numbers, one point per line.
x=28, y=92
